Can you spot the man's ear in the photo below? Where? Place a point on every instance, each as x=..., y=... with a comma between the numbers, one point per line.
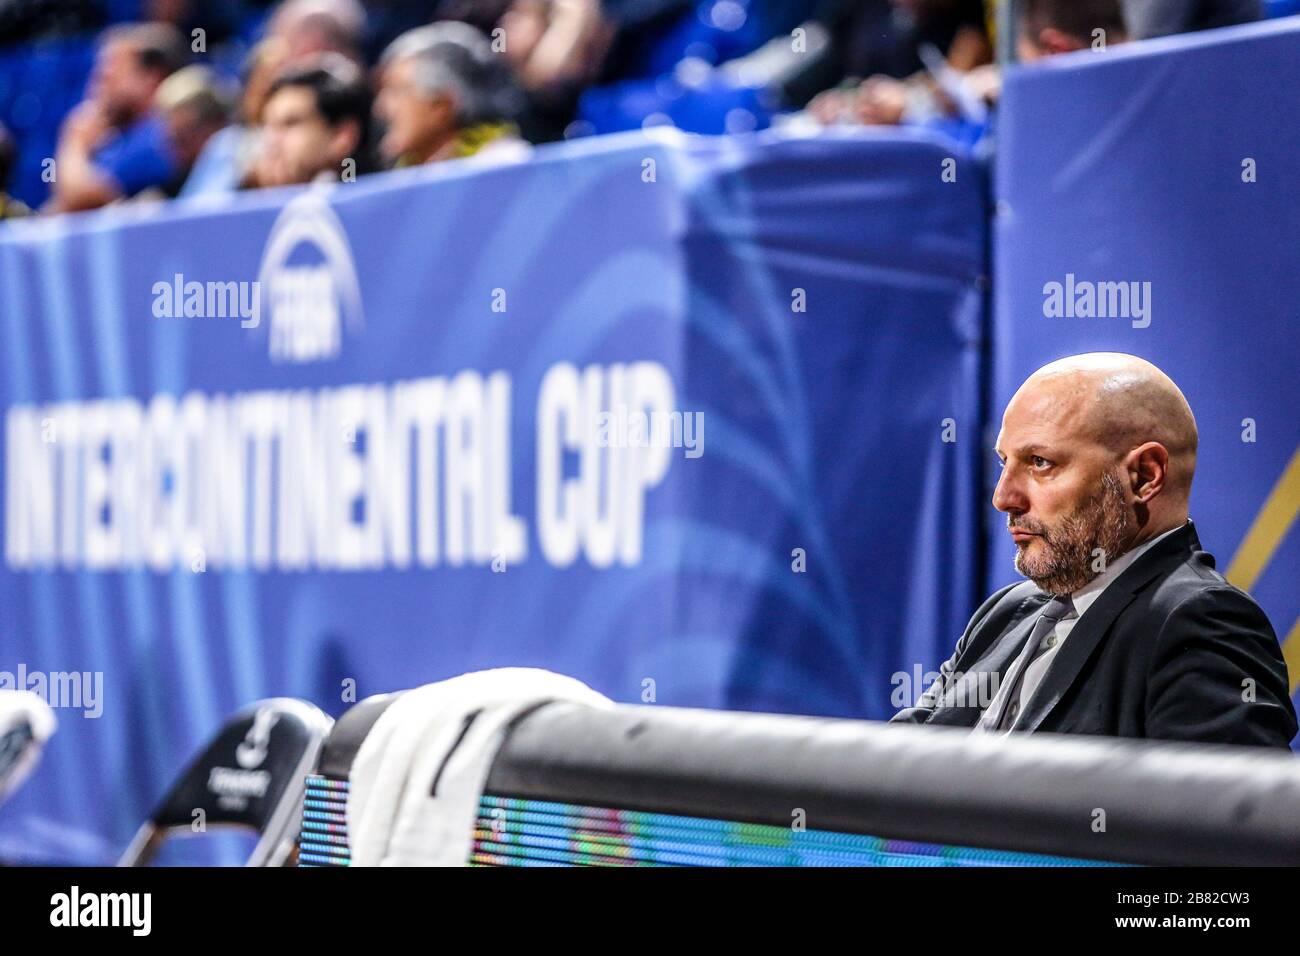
x=346, y=139
x=1148, y=470
x=445, y=105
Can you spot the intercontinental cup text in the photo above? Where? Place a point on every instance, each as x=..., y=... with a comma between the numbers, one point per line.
x=409, y=474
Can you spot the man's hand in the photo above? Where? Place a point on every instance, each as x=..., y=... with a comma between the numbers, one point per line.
x=881, y=101
x=84, y=128
x=78, y=184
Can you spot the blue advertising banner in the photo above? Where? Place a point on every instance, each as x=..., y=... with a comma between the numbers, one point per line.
x=1158, y=218
x=692, y=420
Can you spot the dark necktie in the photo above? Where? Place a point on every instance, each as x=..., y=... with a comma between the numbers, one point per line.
x=1009, y=706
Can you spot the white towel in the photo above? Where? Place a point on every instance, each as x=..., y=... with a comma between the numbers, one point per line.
x=23, y=709
x=393, y=820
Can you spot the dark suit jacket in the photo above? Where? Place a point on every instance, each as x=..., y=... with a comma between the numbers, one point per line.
x=1168, y=650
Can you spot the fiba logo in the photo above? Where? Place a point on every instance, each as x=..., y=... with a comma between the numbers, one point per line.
x=252, y=749
x=309, y=282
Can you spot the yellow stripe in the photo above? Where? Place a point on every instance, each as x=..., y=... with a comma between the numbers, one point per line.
x=1291, y=653
x=1262, y=540
x=1268, y=530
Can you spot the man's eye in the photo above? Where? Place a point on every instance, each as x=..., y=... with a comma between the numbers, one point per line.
x=1039, y=462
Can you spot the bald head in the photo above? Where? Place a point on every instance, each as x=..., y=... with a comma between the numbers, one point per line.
x=1120, y=402
x=1098, y=453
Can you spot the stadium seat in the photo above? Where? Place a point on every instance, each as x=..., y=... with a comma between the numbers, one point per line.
x=250, y=776
x=26, y=723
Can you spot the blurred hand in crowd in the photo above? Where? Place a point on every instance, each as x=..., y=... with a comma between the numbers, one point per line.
x=880, y=101
x=86, y=126
x=555, y=43
x=877, y=100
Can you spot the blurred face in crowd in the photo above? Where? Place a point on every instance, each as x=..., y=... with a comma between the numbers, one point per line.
x=120, y=85
x=1039, y=38
x=417, y=123
x=297, y=142
x=1035, y=44
x=187, y=133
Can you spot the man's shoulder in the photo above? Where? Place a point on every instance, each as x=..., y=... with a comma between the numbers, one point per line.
x=139, y=156
x=1194, y=586
x=1182, y=582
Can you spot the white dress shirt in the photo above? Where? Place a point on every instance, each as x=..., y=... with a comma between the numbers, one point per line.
x=1083, y=599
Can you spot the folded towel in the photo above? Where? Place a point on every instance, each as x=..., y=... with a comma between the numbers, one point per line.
x=26, y=723
x=451, y=731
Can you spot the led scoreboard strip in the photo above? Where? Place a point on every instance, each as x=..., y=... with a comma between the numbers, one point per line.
x=323, y=840
x=515, y=832
x=573, y=785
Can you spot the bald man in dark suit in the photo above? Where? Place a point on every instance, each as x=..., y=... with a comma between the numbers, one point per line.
x=1124, y=627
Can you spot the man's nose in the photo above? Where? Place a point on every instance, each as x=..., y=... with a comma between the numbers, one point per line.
x=1008, y=496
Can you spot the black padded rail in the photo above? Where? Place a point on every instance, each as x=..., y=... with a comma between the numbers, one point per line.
x=1090, y=797
x=344, y=740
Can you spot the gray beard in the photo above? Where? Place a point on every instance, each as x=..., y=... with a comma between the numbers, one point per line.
x=1102, y=525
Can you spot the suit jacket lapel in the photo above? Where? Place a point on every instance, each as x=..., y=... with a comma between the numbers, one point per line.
x=960, y=705
x=1084, y=638
x=1086, y=635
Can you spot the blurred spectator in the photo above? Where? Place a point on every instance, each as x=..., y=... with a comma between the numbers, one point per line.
x=299, y=32
x=10, y=208
x=195, y=109
x=1049, y=27
x=314, y=124
x=885, y=36
x=226, y=161
x=890, y=42
x=444, y=94
x=467, y=76
x=954, y=91
x=308, y=27
x=112, y=145
x=1159, y=18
